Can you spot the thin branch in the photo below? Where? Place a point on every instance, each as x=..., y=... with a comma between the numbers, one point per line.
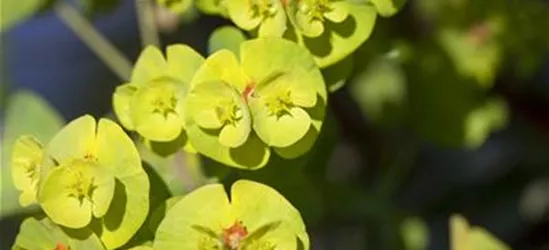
x=147, y=27
x=105, y=50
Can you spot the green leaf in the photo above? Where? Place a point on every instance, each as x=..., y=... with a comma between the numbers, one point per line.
x=339, y=40
x=226, y=37
x=388, y=8
x=14, y=12
x=26, y=114
x=71, y=193
x=199, y=219
x=44, y=234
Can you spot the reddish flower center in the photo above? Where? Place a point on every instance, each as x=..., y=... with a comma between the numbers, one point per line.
x=248, y=91
x=233, y=236
x=61, y=246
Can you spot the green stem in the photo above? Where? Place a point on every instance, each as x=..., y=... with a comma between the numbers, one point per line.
x=105, y=50
x=147, y=27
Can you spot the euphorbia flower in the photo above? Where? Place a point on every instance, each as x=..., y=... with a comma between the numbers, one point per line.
x=254, y=217
x=276, y=89
x=95, y=172
x=278, y=107
x=268, y=15
x=219, y=105
x=331, y=29
x=151, y=103
x=310, y=15
x=76, y=191
x=27, y=163
x=46, y=235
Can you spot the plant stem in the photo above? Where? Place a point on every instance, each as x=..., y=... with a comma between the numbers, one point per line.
x=147, y=27
x=105, y=50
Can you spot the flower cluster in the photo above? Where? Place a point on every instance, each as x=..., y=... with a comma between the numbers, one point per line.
x=87, y=171
x=152, y=102
x=231, y=110
x=330, y=29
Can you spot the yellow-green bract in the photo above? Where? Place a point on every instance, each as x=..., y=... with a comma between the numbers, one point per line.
x=267, y=16
x=152, y=102
x=44, y=234
x=387, y=8
x=274, y=97
x=330, y=29
x=335, y=32
x=213, y=7
x=255, y=217
x=88, y=170
x=464, y=237
x=27, y=161
x=310, y=15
